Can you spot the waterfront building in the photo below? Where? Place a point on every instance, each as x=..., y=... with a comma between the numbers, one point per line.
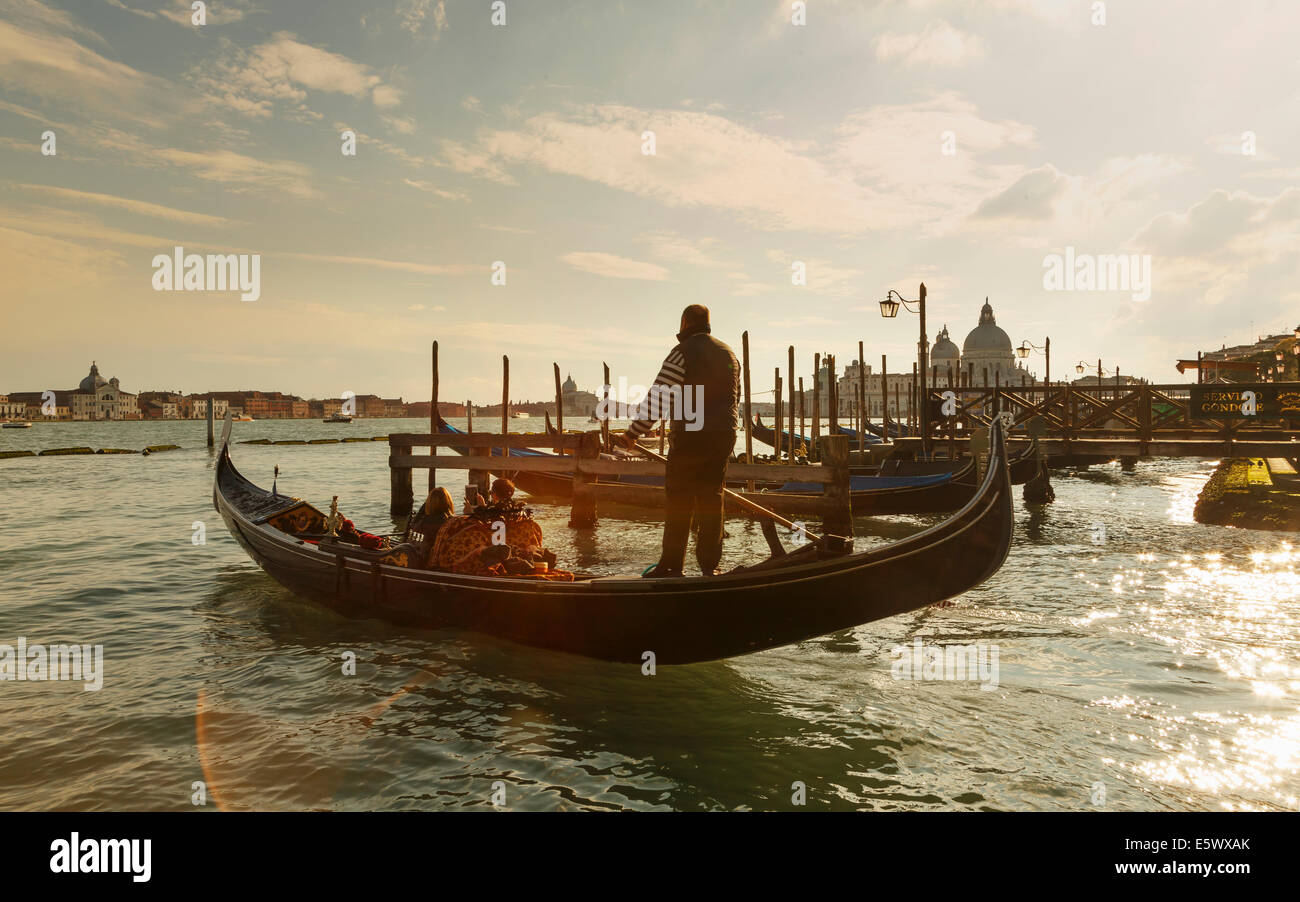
x=12, y=409
x=94, y=398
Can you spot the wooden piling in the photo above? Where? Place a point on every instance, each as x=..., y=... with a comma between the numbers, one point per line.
x=802, y=426
x=582, y=513
x=778, y=439
x=790, y=375
x=749, y=416
x=817, y=406
x=401, y=492
x=505, y=401
x=211, y=440
x=833, y=389
x=433, y=414
x=480, y=479
x=884, y=395
x=604, y=421
x=559, y=402
x=913, y=415
x=837, y=516
x=862, y=399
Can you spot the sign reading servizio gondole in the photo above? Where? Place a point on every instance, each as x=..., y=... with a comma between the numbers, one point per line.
x=1245, y=401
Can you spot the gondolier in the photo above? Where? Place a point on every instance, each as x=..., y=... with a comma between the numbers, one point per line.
x=698, y=390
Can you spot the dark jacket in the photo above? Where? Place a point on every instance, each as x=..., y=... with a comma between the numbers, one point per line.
x=698, y=386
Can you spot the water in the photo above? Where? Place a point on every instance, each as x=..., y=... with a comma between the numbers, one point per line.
x=1160, y=664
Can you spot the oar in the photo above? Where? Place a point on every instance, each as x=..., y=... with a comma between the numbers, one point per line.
x=771, y=516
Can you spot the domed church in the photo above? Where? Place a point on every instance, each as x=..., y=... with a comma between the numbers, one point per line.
x=944, y=357
x=988, y=347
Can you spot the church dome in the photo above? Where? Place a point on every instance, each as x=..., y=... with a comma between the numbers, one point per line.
x=944, y=348
x=93, y=381
x=987, y=337
x=569, y=385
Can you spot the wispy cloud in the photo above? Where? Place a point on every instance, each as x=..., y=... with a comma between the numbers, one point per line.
x=939, y=44
x=613, y=266
x=142, y=208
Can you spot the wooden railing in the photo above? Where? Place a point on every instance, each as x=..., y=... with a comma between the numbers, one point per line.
x=1140, y=420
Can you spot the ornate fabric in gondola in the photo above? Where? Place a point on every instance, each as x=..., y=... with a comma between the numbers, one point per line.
x=462, y=540
x=299, y=519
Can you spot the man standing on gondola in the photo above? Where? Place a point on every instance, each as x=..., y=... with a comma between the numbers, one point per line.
x=698, y=391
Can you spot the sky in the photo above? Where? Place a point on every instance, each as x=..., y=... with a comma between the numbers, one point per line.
x=879, y=144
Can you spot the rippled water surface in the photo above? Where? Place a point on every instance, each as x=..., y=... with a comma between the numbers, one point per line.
x=1141, y=656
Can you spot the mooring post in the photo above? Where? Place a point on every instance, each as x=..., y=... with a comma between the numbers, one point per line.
x=559, y=404
x=862, y=402
x=604, y=421
x=582, y=514
x=749, y=415
x=211, y=441
x=505, y=402
x=837, y=515
x=802, y=423
x=790, y=412
x=433, y=415
x=813, y=452
x=401, y=491
x=778, y=441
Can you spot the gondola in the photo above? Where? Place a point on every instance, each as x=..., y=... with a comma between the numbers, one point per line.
x=1023, y=464
x=767, y=435
x=780, y=601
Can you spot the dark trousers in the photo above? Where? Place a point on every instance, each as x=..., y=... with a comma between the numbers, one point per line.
x=696, y=471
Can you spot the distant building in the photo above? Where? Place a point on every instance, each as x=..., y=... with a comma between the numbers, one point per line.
x=160, y=405
x=576, y=403
x=195, y=407
x=12, y=410
x=95, y=398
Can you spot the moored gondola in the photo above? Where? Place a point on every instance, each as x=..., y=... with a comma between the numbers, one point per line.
x=780, y=601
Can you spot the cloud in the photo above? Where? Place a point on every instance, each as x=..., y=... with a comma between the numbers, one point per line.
x=1032, y=196
x=614, y=267
x=414, y=14
x=677, y=248
x=282, y=71
x=428, y=269
x=1225, y=224
x=430, y=188
x=139, y=207
x=880, y=170
x=40, y=57
x=939, y=44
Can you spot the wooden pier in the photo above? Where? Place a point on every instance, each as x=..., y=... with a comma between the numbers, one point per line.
x=1107, y=421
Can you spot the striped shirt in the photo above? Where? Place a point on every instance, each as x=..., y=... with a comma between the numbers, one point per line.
x=661, y=401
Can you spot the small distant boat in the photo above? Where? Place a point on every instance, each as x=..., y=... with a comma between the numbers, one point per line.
x=518, y=415
x=337, y=418
x=243, y=418
x=23, y=425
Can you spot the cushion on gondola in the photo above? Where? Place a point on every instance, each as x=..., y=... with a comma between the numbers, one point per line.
x=462, y=541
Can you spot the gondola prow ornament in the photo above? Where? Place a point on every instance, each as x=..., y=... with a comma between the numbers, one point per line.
x=334, y=520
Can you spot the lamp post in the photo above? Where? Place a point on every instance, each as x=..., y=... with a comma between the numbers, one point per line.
x=1023, y=351
x=1101, y=374
x=889, y=310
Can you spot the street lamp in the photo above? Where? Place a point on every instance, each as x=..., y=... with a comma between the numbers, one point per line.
x=889, y=309
x=1027, y=346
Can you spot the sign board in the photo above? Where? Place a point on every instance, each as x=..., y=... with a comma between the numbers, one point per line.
x=1245, y=401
